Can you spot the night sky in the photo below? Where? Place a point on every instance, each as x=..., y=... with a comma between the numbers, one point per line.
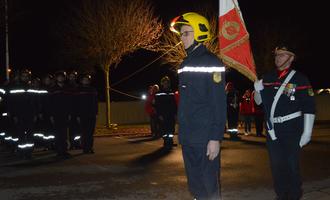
x=33, y=44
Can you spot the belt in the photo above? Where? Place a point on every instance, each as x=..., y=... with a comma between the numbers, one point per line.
x=285, y=118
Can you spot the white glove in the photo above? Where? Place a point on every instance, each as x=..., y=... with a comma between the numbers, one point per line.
x=272, y=134
x=258, y=85
x=308, y=127
x=257, y=98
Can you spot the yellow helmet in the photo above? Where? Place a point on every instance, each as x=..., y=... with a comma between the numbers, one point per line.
x=199, y=24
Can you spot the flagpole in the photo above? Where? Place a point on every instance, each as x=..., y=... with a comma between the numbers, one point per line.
x=7, y=40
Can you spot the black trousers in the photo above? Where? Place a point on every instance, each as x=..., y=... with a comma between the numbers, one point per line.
x=48, y=130
x=232, y=117
x=259, y=122
x=74, y=131
x=61, y=131
x=24, y=129
x=154, y=126
x=87, y=128
x=203, y=175
x=284, y=159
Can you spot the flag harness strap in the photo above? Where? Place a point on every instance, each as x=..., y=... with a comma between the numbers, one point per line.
x=277, y=97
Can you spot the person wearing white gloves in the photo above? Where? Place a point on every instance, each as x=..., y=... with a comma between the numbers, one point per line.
x=288, y=100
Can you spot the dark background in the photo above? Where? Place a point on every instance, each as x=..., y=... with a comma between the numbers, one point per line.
x=34, y=44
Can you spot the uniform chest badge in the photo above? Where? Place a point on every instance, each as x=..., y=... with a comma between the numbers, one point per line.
x=217, y=77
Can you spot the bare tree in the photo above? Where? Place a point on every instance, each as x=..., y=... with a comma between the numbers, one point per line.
x=106, y=30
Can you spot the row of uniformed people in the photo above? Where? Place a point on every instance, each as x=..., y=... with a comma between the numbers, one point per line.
x=40, y=115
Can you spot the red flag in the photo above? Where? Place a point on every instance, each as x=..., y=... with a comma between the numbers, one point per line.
x=234, y=42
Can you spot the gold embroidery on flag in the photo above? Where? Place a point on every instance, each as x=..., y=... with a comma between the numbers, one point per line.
x=230, y=30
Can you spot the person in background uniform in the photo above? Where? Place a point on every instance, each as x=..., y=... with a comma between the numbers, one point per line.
x=37, y=131
x=4, y=117
x=246, y=111
x=47, y=127
x=289, y=105
x=232, y=110
x=258, y=113
x=23, y=109
x=87, y=105
x=202, y=107
x=74, y=132
x=166, y=110
x=9, y=130
x=150, y=110
x=60, y=101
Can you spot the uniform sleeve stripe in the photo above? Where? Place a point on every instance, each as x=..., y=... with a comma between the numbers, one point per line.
x=201, y=69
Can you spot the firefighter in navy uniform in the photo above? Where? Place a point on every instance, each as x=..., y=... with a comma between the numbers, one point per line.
x=4, y=118
x=289, y=106
x=37, y=128
x=166, y=110
x=8, y=130
x=23, y=110
x=87, y=110
x=74, y=133
x=46, y=111
x=60, y=114
x=232, y=111
x=202, y=107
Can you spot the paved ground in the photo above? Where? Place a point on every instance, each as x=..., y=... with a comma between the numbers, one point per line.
x=129, y=165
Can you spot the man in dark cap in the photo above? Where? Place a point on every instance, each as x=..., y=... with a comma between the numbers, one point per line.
x=289, y=106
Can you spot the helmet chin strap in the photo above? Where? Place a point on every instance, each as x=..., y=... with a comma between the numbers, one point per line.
x=192, y=47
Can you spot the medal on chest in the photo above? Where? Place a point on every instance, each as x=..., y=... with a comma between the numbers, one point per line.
x=290, y=90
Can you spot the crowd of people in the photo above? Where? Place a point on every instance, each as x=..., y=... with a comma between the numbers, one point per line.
x=54, y=112
x=283, y=97
x=35, y=113
x=242, y=111
x=161, y=106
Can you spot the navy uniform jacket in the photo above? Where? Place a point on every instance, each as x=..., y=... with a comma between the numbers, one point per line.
x=297, y=96
x=165, y=106
x=3, y=99
x=233, y=100
x=60, y=102
x=22, y=103
x=202, y=105
x=87, y=102
x=4, y=116
x=46, y=102
x=72, y=91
